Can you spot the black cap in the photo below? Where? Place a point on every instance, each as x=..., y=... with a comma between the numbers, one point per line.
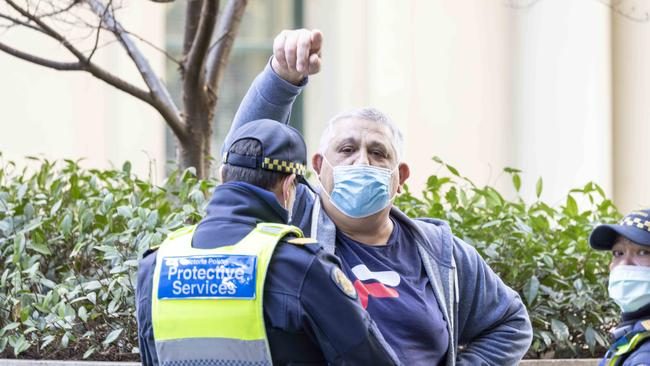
x=283, y=147
x=634, y=227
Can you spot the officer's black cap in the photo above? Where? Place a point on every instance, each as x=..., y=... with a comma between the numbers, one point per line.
x=634, y=227
x=283, y=148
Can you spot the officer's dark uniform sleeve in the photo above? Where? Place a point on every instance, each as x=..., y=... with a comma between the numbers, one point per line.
x=341, y=327
x=146, y=342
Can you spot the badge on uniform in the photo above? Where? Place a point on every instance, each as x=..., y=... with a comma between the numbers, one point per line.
x=220, y=276
x=343, y=282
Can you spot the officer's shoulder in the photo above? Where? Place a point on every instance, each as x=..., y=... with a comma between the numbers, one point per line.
x=148, y=259
x=641, y=356
x=309, y=245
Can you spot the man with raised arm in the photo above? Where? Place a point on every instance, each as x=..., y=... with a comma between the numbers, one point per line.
x=433, y=297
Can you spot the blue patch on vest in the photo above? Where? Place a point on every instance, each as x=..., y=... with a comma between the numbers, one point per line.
x=219, y=276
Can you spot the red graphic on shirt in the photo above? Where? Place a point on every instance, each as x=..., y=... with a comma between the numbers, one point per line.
x=375, y=289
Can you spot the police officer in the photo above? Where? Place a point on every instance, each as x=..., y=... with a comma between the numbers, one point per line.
x=199, y=296
x=629, y=286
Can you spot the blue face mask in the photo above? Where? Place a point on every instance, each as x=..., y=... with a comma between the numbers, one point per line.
x=360, y=190
x=629, y=286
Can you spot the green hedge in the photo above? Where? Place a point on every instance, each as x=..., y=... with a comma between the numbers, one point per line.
x=70, y=239
x=69, y=242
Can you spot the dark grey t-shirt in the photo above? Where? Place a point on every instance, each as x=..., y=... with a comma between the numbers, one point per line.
x=395, y=290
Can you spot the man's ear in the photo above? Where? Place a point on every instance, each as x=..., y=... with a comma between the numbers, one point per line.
x=221, y=173
x=316, y=162
x=288, y=183
x=404, y=173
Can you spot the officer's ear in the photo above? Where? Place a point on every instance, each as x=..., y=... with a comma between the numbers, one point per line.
x=221, y=172
x=288, y=184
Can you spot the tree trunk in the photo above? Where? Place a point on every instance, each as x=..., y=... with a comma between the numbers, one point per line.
x=194, y=150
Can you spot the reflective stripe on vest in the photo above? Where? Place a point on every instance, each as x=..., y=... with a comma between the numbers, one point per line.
x=626, y=345
x=628, y=348
x=208, y=329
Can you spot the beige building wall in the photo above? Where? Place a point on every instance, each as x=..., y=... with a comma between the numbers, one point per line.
x=440, y=69
x=478, y=83
x=562, y=100
x=61, y=115
x=556, y=89
x=631, y=113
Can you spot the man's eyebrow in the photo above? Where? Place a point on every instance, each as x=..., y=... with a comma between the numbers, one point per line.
x=377, y=143
x=347, y=140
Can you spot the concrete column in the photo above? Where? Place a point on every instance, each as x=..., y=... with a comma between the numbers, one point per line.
x=562, y=96
x=631, y=58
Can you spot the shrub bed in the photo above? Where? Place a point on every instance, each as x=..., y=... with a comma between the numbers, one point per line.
x=70, y=239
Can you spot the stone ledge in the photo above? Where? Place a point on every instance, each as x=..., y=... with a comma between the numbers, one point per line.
x=5, y=362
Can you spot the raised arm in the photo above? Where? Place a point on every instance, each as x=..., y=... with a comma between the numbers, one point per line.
x=296, y=54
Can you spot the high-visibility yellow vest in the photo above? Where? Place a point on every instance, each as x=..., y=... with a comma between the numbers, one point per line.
x=628, y=347
x=207, y=303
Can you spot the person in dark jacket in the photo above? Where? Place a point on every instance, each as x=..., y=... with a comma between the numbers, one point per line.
x=312, y=313
x=435, y=300
x=629, y=286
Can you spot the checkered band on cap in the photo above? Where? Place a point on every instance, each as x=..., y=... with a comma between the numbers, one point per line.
x=284, y=166
x=640, y=220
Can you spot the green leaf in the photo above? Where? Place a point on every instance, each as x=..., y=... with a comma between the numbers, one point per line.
x=516, y=181
x=112, y=336
x=40, y=248
x=19, y=247
x=47, y=283
x=560, y=330
x=21, y=345
x=66, y=224
x=56, y=207
x=590, y=337
x=92, y=285
x=453, y=170
x=124, y=211
x=531, y=289
x=83, y=313
x=89, y=352
x=8, y=327
x=538, y=187
x=126, y=168
x=571, y=206
x=47, y=340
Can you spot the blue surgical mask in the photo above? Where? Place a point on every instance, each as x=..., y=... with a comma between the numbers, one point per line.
x=629, y=286
x=360, y=190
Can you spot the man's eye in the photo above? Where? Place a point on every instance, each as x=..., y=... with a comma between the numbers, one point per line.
x=617, y=253
x=644, y=252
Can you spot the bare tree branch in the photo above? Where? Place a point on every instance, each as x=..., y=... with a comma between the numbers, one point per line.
x=617, y=7
x=195, y=63
x=61, y=10
x=228, y=28
x=161, y=100
x=99, y=31
x=62, y=66
x=192, y=18
x=20, y=22
x=95, y=70
x=169, y=56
